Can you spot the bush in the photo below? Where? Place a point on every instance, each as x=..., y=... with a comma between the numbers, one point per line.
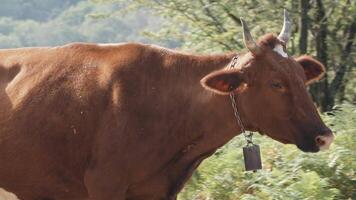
x=287, y=172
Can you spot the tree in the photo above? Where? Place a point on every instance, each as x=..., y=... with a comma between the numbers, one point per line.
x=333, y=43
x=39, y=10
x=326, y=30
x=304, y=26
x=79, y=22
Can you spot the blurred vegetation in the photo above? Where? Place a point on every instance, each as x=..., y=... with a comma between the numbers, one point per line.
x=322, y=28
x=51, y=22
x=287, y=172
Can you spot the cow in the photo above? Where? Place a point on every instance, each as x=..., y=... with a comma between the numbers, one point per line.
x=133, y=121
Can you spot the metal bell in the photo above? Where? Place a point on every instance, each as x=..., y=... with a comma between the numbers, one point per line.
x=252, y=157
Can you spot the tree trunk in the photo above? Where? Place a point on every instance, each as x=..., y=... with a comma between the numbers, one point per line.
x=304, y=21
x=338, y=81
x=320, y=91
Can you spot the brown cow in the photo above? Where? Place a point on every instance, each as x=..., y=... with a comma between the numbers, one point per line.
x=133, y=121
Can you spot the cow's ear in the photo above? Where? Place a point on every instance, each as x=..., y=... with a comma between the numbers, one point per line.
x=313, y=69
x=224, y=81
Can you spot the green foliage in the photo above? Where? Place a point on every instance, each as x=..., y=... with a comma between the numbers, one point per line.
x=39, y=10
x=78, y=22
x=210, y=25
x=214, y=26
x=287, y=172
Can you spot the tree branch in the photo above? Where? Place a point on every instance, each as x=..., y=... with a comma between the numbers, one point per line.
x=304, y=26
x=338, y=79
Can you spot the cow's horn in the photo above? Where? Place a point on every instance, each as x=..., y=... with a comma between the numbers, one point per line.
x=248, y=40
x=287, y=28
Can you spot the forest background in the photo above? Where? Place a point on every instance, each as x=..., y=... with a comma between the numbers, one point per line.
x=324, y=29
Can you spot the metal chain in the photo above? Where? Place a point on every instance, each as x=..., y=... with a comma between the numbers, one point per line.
x=247, y=135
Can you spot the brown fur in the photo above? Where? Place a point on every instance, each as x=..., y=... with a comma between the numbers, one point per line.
x=313, y=69
x=132, y=121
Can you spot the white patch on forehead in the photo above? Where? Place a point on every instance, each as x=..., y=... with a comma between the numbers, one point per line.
x=279, y=49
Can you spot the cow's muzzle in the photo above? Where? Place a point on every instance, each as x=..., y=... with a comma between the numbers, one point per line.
x=324, y=140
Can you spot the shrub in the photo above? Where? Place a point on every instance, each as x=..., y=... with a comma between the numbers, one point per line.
x=287, y=172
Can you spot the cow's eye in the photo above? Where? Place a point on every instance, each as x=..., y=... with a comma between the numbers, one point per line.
x=277, y=86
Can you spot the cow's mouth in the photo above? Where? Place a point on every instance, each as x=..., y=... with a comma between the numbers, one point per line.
x=308, y=145
x=308, y=149
x=313, y=148
x=305, y=146
x=316, y=143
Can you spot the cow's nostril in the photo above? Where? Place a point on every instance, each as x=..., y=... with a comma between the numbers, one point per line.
x=324, y=141
x=319, y=141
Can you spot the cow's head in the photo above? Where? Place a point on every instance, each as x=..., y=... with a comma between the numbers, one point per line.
x=271, y=90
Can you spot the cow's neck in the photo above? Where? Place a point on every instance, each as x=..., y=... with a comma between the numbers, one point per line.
x=212, y=121
x=193, y=122
x=213, y=111
x=202, y=111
